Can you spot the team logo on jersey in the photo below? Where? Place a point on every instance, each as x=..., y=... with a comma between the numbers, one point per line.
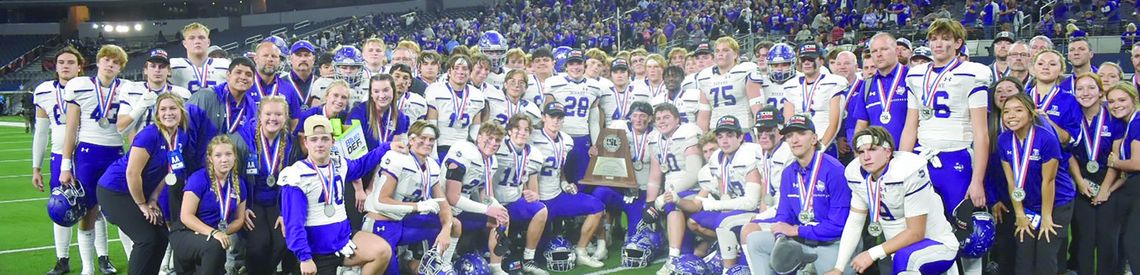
x=819, y=186
x=922, y=174
x=1053, y=111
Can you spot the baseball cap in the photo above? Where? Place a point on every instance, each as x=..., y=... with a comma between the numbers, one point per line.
x=158, y=56
x=703, y=48
x=619, y=64
x=554, y=109
x=302, y=45
x=923, y=52
x=312, y=122
x=575, y=56
x=1007, y=36
x=727, y=123
x=810, y=50
x=769, y=117
x=797, y=123
x=904, y=42
x=541, y=52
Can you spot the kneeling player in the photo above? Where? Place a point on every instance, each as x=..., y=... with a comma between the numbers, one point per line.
x=470, y=172
x=893, y=187
x=516, y=183
x=734, y=178
x=409, y=207
x=677, y=163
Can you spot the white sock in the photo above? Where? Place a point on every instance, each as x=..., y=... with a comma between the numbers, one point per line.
x=528, y=254
x=128, y=244
x=101, y=236
x=450, y=252
x=674, y=252
x=601, y=244
x=86, y=250
x=581, y=251
x=62, y=240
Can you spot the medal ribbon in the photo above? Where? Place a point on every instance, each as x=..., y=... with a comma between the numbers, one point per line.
x=725, y=164
x=770, y=168
x=326, y=181
x=556, y=143
x=270, y=154
x=520, y=157
x=886, y=97
x=639, y=146
x=851, y=92
x=875, y=194
x=1092, y=138
x=807, y=190
x=654, y=91
x=425, y=177
x=300, y=93
x=930, y=87
x=105, y=99
x=224, y=199
x=488, y=177
x=622, y=102
x=809, y=94
x=513, y=108
x=233, y=120
x=171, y=147
x=663, y=150
x=261, y=90
x=458, y=107
x=201, y=74
x=1047, y=100
x=386, y=131
x=1021, y=153
x=59, y=97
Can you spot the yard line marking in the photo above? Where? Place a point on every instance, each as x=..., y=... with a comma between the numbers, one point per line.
x=620, y=268
x=23, y=200
x=15, y=160
x=16, y=142
x=10, y=251
x=15, y=176
x=15, y=149
x=12, y=124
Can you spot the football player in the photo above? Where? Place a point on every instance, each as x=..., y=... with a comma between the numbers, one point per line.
x=428, y=69
x=480, y=76
x=652, y=83
x=455, y=107
x=196, y=70
x=891, y=186
x=616, y=103
x=412, y=104
x=470, y=176
x=673, y=172
x=687, y=101
x=781, y=69
x=516, y=186
x=494, y=46
x=542, y=69
x=730, y=196
x=512, y=100
x=774, y=157
x=135, y=108
x=347, y=62
x=375, y=57
x=723, y=87
x=579, y=95
x=817, y=94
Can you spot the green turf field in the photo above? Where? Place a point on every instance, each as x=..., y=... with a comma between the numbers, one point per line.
x=26, y=234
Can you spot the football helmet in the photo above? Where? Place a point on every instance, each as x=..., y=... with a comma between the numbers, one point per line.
x=779, y=54
x=981, y=236
x=494, y=46
x=279, y=42
x=640, y=248
x=347, y=64
x=713, y=262
x=561, y=54
x=560, y=255
x=739, y=269
x=432, y=263
x=65, y=206
x=471, y=264
x=689, y=264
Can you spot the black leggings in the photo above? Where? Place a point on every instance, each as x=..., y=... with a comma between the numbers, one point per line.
x=194, y=254
x=1037, y=256
x=1129, y=213
x=150, y=240
x=1099, y=228
x=265, y=246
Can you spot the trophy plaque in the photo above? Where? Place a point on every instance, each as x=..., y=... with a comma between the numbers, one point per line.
x=613, y=165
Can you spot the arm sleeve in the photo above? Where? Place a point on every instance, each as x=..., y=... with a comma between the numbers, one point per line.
x=749, y=201
x=692, y=169
x=40, y=140
x=294, y=209
x=373, y=204
x=839, y=206
x=365, y=164
x=850, y=239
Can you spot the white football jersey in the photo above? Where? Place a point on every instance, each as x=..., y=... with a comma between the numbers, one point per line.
x=671, y=154
x=728, y=173
x=772, y=167
x=643, y=89
x=480, y=169
x=642, y=148
x=555, y=149
x=535, y=89
x=516, y=166
x=83, y=91
x=815, y=99
x=186, y=75
x=776, y=93
x=455, y=114
x=689, y=82
x=48, y=96
x=579, y=98
x=496, y=79
x=304, y=177
x=357, y=94
x=726, y=92
x=906, y=192
x=414, y=177
x=687, y=101
x=959, y=90
x=615, y=103
x=412, y=105
x=501, y=109
x=134, y=92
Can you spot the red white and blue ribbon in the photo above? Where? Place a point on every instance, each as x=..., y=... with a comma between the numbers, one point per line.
x=106, y=97
x=886, y=97
x=1021, y=155
x=1092, y=137
x=930, y=87
x=807, y=189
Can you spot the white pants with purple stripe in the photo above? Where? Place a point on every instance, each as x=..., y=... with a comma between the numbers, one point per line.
x=925, y=257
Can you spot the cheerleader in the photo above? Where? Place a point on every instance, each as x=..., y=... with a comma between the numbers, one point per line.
x=265, y=148
x=997, y=193
x=212, y=205
x=1031, y=154
x=1094, y=219
x=317, y=229
x=1122, y=102
x=160, y=155
x=1110, y=74
x=382, y=119
x=91, y=142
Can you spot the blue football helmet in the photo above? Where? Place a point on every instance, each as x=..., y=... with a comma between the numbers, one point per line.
x=560, y=255
x=494, y=46
x=65, y=205
x=781, y=54
x=347, y=64
x=689, y=264
x=279, y=42
x=560, y=55
x=739, y=269
x=472, y=264
x=640, y=249
x=981, y=236
x=713, y=263
x=432, y=263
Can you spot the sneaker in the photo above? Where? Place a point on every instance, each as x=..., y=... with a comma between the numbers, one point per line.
x=601, y=253
x=667, y=268
x=62, y=266
x=586, y=260
x=531, y=268
x=496, y=269
x=105, y=266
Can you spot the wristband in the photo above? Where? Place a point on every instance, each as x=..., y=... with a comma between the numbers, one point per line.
x=65, y=165
x=877, y=253
x=756, y=101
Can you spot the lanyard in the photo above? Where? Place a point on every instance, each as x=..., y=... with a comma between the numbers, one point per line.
x=807, y=190
x=929, y=87
x=1021, y=153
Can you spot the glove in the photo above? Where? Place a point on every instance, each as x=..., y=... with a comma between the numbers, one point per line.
x=348, y=249
x=427, y=206
x=143, y=103
x=651, y=214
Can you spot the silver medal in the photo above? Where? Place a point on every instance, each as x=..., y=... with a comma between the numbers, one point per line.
x=171, y=179
x=1092, y=166
x=1018, y=194
x=329, y=211
x=637, y=165
x=271, y=180
x=223, y=226
x=104, y=123
x=926, y=113
x=875, y=229
x=885, y=118
x=806, y=217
